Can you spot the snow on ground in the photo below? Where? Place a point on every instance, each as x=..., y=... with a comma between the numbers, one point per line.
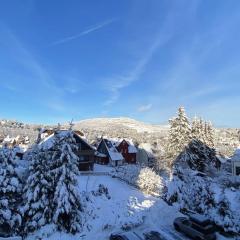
x=102, y=168
x=126, y=207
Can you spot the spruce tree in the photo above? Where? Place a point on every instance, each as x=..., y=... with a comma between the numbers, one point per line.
x=10, y=192
x=209, y=134
x=202, y=135
x=198, y=156
x=180, y=133
x=38, y=191
x=196, y=128
x=66, y=200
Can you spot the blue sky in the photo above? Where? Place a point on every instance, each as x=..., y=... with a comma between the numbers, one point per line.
x=64, y=59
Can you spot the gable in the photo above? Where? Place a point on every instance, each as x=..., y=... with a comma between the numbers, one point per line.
x=102, y=148
x=124, y=144
x=83, y=145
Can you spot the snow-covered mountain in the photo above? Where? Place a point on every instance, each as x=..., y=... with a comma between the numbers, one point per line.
x=133, y=124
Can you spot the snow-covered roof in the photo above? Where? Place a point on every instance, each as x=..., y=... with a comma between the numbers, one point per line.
x=131, y=147
x=49, y=141
x=236, y=155
x=112, y=151
x=148, y=149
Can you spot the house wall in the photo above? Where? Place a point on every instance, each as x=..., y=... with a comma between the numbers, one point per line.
x=236, y=168
x=144, y=159
x=85, y=154
x=102, y=149
x=116, y=163
x=101, y=160
x=123, y=149
x=85, y=166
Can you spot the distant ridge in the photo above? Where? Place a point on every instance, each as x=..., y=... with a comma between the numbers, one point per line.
x=139, y=126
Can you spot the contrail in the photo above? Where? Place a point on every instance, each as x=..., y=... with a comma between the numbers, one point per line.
x=87, y=31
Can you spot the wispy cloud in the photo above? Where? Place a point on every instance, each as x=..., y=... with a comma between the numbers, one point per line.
x=145, y=108
x=33, y=81
x=83, y=33
x=24, y=58
x=116, y=83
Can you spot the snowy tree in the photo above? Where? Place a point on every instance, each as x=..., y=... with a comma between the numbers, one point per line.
x=38, y=191
x=203, y=131
x=196, y=128
x=209, y=134
x=190, y=192
x=198, y=156
x=148, y=181
x=225, y=216
x=66, y=201
x=10, y=191
x=179, y=134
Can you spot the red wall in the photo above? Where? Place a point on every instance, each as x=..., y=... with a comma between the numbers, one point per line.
x=129, y=157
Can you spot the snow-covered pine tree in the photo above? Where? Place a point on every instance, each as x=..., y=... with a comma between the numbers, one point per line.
x=38, y=192
x=66, y=201
x=209, y=132
x=193, y=155
x=10, y=192
x=197, y=155
x=179, y=134
x=196, y=128
x=202, y=135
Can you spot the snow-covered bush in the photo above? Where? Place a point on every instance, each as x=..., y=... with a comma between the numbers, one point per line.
x=102, y=190
x=188, y=191
x=142, y=177
x=148, y=181
x=224, y=216
x=128, y=173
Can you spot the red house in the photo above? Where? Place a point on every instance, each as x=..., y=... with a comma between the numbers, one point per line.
x=128, y=150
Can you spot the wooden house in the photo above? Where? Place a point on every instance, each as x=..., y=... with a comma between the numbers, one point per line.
x=85, y=150
x=128, y=151
x=107, y=153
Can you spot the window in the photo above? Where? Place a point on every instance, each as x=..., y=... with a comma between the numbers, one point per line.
x=237, y=170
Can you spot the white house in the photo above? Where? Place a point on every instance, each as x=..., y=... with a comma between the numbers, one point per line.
x=236, y=162
x=145, y=154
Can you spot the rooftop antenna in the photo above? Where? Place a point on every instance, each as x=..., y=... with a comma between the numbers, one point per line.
x=71, y=124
